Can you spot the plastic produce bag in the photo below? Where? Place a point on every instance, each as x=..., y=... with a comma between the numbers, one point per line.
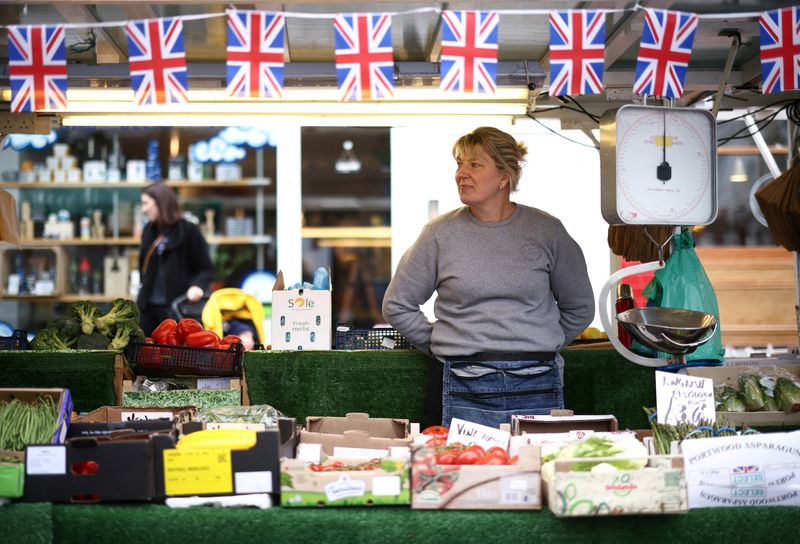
x=683, y=283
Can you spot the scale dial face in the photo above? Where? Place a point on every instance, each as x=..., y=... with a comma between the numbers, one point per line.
x=665, y=166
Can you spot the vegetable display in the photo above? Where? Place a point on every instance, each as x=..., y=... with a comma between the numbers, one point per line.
x=767, y=391
x=86, y=327
x=631, y=453
x=23, y=423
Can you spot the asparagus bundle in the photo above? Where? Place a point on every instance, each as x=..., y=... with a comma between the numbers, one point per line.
x=665, y=434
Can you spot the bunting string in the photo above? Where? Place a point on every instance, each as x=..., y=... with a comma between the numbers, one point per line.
x=365, y=58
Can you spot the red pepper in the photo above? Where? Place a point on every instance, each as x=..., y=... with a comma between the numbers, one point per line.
x=185, y=327
x=203, y=339
x=165, y=333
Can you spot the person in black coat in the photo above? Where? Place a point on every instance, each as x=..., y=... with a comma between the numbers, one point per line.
x=173, y=259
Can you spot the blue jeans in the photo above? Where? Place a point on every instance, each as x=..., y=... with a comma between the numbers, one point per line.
x=490, y=388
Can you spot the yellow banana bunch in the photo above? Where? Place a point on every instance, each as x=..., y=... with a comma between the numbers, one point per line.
x=232, y=439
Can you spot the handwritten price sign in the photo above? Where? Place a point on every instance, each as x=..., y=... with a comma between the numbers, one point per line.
x=684, y=399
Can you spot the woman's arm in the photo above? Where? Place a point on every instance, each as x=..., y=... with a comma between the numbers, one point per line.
x=569, y=281
x=412, y=285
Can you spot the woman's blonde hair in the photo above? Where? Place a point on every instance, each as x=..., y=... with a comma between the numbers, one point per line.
x=507, y=153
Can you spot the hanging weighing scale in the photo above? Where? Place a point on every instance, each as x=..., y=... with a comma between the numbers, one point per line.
x=658, y=167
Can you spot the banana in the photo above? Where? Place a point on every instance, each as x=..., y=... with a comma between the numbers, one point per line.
x=232, y=439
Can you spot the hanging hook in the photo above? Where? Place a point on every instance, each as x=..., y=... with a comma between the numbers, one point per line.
x=659, y=246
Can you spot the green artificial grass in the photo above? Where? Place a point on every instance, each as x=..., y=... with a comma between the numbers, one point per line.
x=334, y=383
x=392, y=383
x=25, y=523
x=89, y=375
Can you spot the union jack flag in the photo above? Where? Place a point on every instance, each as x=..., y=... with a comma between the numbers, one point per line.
x=745, y=469
x=780, y=50
x=577, y=43
x=364, y=56
x=255, y=54
x=469, y=51
x=157, y=61
x=37, y=62
x=664, y=52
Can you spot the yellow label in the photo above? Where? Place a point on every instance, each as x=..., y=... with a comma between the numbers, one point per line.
x=660, y=139
x=197, y=472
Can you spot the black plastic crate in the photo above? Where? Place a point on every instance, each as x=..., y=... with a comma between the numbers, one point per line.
x=347, y=338
x=17, y=341
x=166, y=360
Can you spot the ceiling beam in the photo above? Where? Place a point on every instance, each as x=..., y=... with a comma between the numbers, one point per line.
x=139, y=11
x=696, y=80
x=107, y=51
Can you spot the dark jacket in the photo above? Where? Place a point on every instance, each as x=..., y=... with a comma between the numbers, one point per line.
x=185, y=260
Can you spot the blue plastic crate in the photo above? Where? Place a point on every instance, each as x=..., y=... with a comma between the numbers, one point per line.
x=380, y=338
x=17, y=341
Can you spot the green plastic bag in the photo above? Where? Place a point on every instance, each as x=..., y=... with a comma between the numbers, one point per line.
x=683, y=283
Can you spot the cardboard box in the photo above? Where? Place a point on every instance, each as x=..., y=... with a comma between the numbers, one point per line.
x=216, y=471
x=61, y=397
x=301, y=318
x=306, y=484
x=476, y=487
x=12, y=473
x=659, y=488
x=725, y=375
x=355, y=430
x=562, y=424
x=89, y=470
x=227, y=392
x=115, y=420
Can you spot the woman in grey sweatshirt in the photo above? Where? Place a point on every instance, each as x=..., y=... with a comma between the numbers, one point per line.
x=512, y=290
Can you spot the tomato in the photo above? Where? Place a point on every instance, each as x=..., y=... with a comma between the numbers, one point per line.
x=468, y=457
x=513, y=460
x=185, y=328
x=436, y=440
x=495, y=456
x=436, y=430
x=203, y=339
x=446, y=458
x=165, y=333
x=231, y=339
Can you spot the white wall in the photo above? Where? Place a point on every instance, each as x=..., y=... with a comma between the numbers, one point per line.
x=561, y=178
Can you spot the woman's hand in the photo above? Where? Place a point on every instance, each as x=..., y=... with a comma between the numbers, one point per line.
x=194, y=293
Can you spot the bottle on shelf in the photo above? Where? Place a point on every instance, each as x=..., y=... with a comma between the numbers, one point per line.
x=153, y=166
x=85, y=276
x=624, y=302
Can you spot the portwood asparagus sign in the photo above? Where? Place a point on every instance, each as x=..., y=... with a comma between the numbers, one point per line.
x=750, y=470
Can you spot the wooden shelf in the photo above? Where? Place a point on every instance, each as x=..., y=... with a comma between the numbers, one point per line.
x=44, y=242
x=68, y=297
x=131, y=241
x=206, y=184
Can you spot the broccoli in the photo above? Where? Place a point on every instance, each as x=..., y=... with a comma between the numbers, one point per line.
x=68, y=329
x=85, y=311
x=124, y=332
x=121, y=309
x=96, y=340
x=48, y=340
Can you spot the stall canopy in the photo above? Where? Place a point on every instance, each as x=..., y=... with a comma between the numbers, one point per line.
x=726, y=49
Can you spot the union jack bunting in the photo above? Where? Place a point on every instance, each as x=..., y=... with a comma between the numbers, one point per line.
x=469, y=51
x=37, y=63
x=577, y=44
x=780, y=50
x=664, y=52
x=157, y=61
x=745, y=469
x=364, y=56
x=255, y=54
